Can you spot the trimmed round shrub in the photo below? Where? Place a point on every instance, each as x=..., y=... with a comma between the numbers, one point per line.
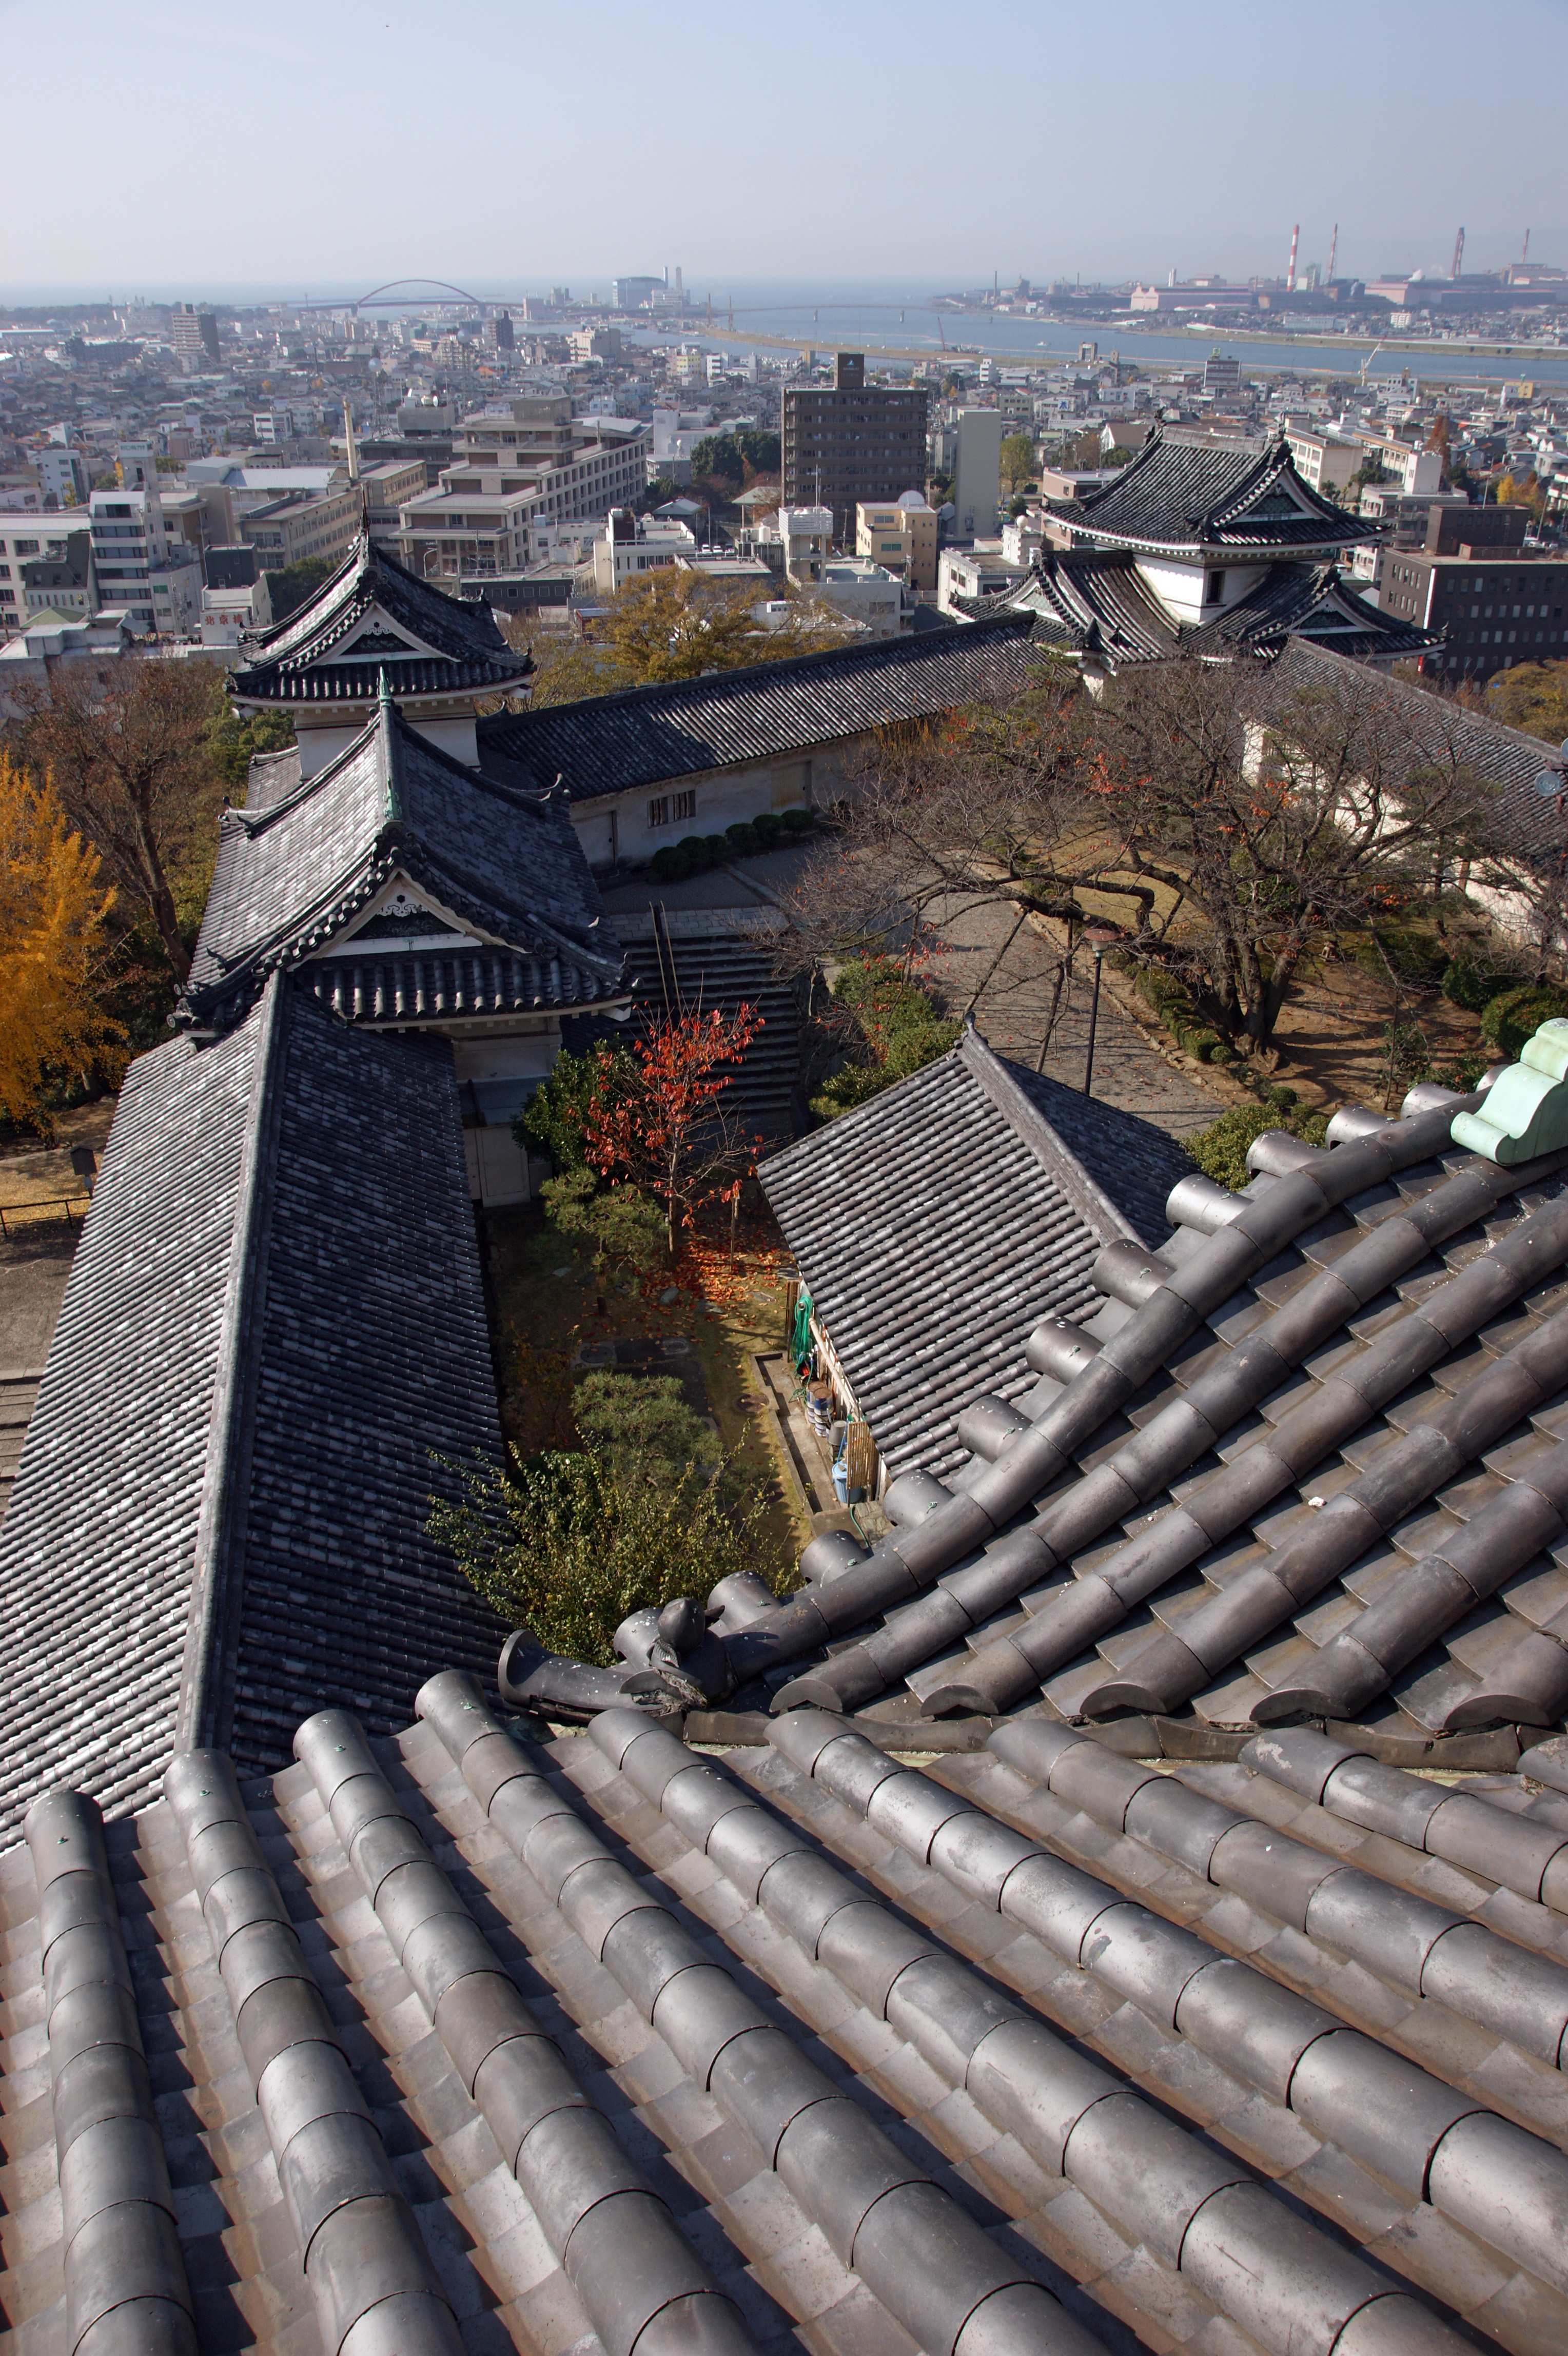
x=769, y=826
x=1472, y=983
x=1516, y=1015
x=796, y=821
x=1281, y=1096
x=670, y=862
x=694, y=847
x=717, y=847
x=1201, y=1043
x=742, y=837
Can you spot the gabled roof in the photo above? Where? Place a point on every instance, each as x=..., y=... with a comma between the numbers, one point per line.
x=1197, y=498
x=1096, y=601
x=1423, y=729
x=646, y=734
x=372, y=613
x=950, y=1213
x=274, y=1317
x=292, y=876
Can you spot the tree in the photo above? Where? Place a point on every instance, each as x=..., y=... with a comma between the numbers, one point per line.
x=1534, y=697
x=568, y=1543
x=555, y=1117
x=1019, y=465
x=129, y=750
x=619, y=1226
x=672, y=1136
x=237, y=737
x=1239, y=818
x=1440, y=438
x=295, y=584
x=1274, y=816
x=718, y=458
x=52, y=944
x=673, y=623
x=895, y=1025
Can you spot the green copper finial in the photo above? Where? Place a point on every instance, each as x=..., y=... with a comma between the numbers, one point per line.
x=392, y=752
x=383, y=692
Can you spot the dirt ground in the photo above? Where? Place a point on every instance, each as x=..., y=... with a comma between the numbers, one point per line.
x=548, y=1327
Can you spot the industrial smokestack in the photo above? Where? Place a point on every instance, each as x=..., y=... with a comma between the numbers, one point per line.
x=1524, y=255
x=1290, y=275
x=1333, y=250
x=1458, y=255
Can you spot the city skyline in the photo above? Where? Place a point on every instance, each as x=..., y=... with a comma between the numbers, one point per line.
x=1225, y=135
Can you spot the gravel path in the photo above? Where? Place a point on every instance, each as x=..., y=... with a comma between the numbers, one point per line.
x=1016, y=1008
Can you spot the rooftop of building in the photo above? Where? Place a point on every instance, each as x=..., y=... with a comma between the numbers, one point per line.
x=646, y=733
x=372, y=614
x=1188, y=495
x=498, y=888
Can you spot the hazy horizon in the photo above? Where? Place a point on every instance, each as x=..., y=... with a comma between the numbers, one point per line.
x=895, y=154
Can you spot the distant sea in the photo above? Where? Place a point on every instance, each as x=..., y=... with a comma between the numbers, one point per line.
x=897, y=315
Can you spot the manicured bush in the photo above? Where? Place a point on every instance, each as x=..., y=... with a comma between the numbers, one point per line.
x=1515, y=1015
x=797, y=820
x=1221, y=1149
x=1473, y=982
x=742, y=837
x=769, y=826
x=670, y=862
x=697, y=855
x=718, y=848
x=1415, y=953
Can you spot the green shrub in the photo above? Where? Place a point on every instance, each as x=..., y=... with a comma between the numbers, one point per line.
x=1415, y=953
x=856, y=1085
x=552, y=1119
x=568, y=1543
x=694, y=849
x=1472, y=982
x=718, y=848
x=1514, y=1016
x=900, y=1026
x=742, y=837
x=670, y=862
x=1201, y=1043
x=1221, y=1149
x=768, y=825
x=797, y=820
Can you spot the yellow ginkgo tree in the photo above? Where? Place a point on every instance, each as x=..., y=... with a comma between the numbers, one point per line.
x=52, y=945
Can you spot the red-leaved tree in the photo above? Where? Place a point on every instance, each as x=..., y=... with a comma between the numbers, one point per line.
x=670, y=1133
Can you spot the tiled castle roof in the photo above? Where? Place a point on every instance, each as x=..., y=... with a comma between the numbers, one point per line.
x=292, y=876
x=647, y=733
x=1187, y=497
x=272, y=1319
x=437, y=645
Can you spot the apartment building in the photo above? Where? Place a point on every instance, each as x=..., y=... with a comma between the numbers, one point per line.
x=514, y=467
x=154, y=580
x=851, y=442
x=901, y=535
x=1325, y=461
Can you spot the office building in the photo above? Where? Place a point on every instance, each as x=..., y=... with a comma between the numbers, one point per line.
x=850, y=441
x=1492, y=607
x=154, y=581
x=529, y=461
x=289, y=530
x=60, y=578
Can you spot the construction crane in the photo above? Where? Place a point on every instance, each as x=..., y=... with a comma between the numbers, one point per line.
x=1459, y=254
x=1290, y=275
x=1367, y=363
x=1333, y=250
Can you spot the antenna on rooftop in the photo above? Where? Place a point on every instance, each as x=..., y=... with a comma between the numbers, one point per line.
x=1290, y=274
x=1459, y=254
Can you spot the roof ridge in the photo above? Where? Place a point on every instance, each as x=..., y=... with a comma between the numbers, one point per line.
x=708, y=683
x=1049, y=1148
x=205, y=1701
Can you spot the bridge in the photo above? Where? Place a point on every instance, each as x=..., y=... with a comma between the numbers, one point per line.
x=387, y=297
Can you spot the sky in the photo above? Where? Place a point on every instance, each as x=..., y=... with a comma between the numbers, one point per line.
x=329, y=145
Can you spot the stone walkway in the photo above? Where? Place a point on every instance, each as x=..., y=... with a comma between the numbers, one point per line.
x=1015, y=1008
